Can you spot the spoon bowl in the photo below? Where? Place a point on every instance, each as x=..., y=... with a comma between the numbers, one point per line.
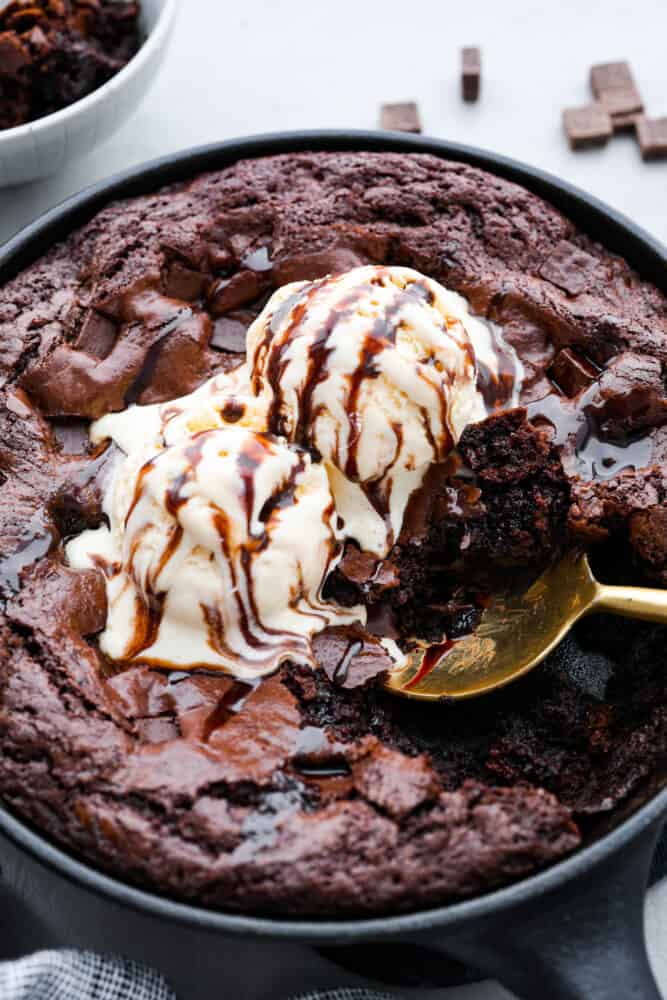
x=517, y=632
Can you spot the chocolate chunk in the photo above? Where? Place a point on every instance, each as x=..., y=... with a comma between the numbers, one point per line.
x=183, y=283
x=381, y=621
x=350, y=657
x=572, y=372
x=363, y=568
x=396, y=783
x=241, y=289
x=308, y=267
x=569, y=267
x=229, y=333
x=471, y=72
x=652, y=136
x=587, y=126
x=614, y=87
x=621, y=102
x=403, y=117
x=630, y=397
x=13, y=55
x=625, y=122
x=157, y=730
x=611, y=76
x=97, y=335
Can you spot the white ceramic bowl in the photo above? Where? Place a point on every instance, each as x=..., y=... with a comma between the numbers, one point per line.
x=45, y=146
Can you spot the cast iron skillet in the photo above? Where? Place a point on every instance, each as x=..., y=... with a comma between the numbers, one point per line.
x=572, y=932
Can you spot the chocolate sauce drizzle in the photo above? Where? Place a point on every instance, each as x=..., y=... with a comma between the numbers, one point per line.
x=229, y=705
x=342, y=670
x=257, y=448
x=433, y=655
x=496, y=388
x=273, y=355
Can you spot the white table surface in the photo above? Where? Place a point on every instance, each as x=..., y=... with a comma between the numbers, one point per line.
x=266, y=65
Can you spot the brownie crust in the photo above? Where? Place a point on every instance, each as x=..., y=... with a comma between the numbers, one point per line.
x=310, y=793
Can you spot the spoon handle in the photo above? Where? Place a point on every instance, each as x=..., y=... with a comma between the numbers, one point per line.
x=647, y=603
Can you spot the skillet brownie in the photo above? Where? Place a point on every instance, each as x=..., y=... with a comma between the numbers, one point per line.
x=301, y=787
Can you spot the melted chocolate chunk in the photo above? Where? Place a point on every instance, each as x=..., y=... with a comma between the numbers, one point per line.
x=350, y=657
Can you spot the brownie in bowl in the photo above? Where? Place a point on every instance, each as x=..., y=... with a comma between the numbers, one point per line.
x=296, y=785
x=54, y=52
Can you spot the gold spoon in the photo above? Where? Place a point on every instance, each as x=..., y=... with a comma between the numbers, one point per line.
x=516, y=633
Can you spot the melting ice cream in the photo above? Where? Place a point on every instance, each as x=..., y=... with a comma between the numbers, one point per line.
x=229, y=508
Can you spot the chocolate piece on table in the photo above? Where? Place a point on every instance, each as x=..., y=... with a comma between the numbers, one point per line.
x=611, y=76
x=589, y=125
x=625, y=123
x=471, y=72
x=621, y=102
x=613, y=85
x=652, y=136
x=402, y=117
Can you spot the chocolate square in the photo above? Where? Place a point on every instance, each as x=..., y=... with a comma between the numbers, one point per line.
x=622, y=101
x=625, y=123
x=471, y=71
x=401, y=117
x=652, y=136
x=611, y=76
x=614, y=87
x=587, y=126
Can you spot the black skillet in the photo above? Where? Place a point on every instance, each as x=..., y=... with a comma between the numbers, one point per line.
x=573, y=932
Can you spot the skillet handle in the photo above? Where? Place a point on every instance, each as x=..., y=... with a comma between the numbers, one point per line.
x=583, y=940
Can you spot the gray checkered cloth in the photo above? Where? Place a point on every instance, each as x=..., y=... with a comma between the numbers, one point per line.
x=80, y=975
x=346, y=993
x=84, y=975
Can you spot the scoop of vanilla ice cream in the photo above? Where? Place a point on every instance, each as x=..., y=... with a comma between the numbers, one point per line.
x=216, y=553
x=375, y=370
x=222, y=529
